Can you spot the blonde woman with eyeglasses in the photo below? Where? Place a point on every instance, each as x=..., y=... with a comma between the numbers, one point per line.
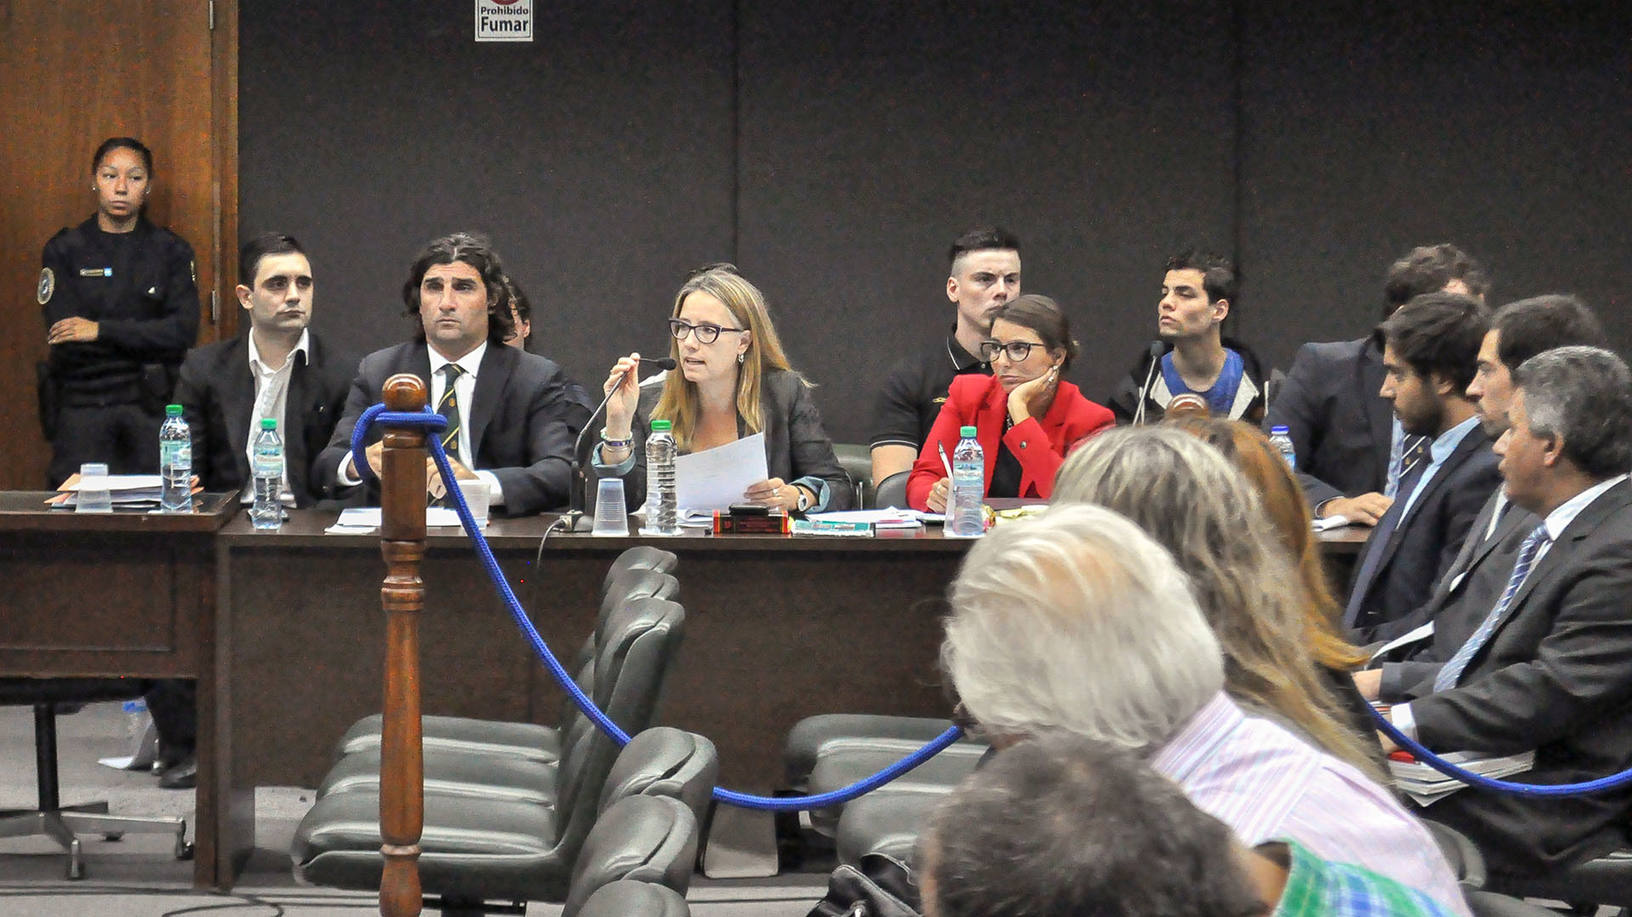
x=731, y=380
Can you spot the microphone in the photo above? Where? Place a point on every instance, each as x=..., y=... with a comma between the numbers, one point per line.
x=1157, y=349
x=575, y=502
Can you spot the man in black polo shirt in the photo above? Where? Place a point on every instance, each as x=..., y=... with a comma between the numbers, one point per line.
x=983, y=274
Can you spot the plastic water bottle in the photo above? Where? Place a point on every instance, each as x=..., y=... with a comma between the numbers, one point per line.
x=1281, y=438
x=964, y=517
x=135, y=720
x=660, y=494
x=267, y=510
x=175, y=462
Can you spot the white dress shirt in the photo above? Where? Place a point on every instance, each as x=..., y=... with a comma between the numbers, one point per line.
x=272, y=400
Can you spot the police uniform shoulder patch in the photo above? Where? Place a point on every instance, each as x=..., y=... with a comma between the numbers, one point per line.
x=48, y=285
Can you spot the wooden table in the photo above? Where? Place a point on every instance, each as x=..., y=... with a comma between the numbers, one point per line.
x=129, y=595
x=776, y=629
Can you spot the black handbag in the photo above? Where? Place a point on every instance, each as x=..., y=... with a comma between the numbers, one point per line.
x=881, y=886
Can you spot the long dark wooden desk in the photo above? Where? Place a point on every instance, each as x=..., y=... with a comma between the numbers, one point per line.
x=777, y=628
x=129, y=595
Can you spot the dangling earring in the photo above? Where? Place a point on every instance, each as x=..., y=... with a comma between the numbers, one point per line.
x=739, y=358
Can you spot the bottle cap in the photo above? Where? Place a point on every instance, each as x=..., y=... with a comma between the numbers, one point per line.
x=1279, y=429
x=660, y=425
x=172, y=410
x=269, y=423
x=966, y=432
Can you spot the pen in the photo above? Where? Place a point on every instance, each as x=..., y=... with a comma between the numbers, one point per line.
x=944, y=463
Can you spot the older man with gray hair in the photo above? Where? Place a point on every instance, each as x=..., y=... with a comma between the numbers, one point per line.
x=1547, y=667
x=1079, y=622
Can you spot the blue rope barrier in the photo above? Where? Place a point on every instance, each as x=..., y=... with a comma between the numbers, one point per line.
x=378, y=414
x=1602, y=784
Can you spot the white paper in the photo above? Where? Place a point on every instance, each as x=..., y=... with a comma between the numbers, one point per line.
x=716, y=478
x=1406, y=639
x=1330, y=522
x=118, y=482
x=886, y=517
x=362, y=519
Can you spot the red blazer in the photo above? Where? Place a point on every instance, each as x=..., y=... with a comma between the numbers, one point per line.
x=1040, y=443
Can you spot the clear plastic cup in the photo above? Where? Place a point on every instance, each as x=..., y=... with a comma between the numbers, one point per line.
x=93, y=494
x=611, y=516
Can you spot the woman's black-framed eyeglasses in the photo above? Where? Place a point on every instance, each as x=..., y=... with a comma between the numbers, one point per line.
x=1016, y=351
x=707, y=332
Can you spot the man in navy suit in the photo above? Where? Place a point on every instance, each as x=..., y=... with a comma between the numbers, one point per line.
x=1347, y=442
x=279, y=369
x=1429, y=349
x=1546, y=667
x=512, y=416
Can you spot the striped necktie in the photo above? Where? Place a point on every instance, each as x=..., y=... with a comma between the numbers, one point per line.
x=449, y=407
x=1451, y=671
x=1413, y=449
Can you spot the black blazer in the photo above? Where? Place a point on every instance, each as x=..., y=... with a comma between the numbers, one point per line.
x=1428, y=538
x=526, y=415
x=1341, y=428
x=796, y=445
x=1553, y=677
x=217, y=391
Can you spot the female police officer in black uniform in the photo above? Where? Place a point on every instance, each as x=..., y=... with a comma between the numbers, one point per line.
x=121, y=308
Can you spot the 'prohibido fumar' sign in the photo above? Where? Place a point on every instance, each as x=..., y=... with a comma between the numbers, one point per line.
x=504, y=20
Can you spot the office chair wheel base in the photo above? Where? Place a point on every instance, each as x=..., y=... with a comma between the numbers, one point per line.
x=76, y=864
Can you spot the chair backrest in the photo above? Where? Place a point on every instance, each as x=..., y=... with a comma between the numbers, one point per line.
x=892, y=491
x=627, y=586
x=639, y=557
x=629, y=898
x=644, y=838
x=857, y=461
x=632, y=661
x=665, y=761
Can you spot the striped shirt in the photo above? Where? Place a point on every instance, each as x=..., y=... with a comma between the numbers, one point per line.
x=1316, y=888
x=1267, y=784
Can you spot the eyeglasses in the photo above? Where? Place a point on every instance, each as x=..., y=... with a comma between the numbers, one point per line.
x=707, y=332
x=1016, y=351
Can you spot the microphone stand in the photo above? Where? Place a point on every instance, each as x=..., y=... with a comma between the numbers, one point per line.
x=575, y=519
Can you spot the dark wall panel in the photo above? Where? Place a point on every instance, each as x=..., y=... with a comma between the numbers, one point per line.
x=873, y=134
x=1369, y=128
x=598, y=157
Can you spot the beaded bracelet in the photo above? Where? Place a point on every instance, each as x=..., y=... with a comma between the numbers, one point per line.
x=616, y=443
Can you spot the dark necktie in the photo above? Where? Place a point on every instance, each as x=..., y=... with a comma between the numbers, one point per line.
x=449, y=407
x=1377, y=545
x=1451, y=671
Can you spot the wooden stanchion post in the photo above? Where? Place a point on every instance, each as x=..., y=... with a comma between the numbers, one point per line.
x=402, y=596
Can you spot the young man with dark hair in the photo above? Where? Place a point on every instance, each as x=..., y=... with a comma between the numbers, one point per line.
x=983, y=273
x=1429, y=348
x=1348, y=445
x=512, y=416
x=1191, y=357
x=1060, y=826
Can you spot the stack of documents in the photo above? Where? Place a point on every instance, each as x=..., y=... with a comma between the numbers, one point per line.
x=879, y=522
x=137, y=492
x=1427, y=786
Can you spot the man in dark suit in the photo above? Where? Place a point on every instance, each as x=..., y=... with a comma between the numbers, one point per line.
x=1546, y=668
x=512, y=415
x=1429, y=349
x=1519, y=331
x=278, y=369
x=1344, y=432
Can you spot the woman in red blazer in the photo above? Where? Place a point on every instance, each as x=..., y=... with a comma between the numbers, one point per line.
x=1026, y=418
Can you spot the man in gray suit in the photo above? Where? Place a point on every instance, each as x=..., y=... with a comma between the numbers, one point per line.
x=1546, y=667
x=512, y=415
x=1344, y=433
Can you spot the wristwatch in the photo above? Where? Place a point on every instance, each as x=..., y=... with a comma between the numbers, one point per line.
x=804, y=498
